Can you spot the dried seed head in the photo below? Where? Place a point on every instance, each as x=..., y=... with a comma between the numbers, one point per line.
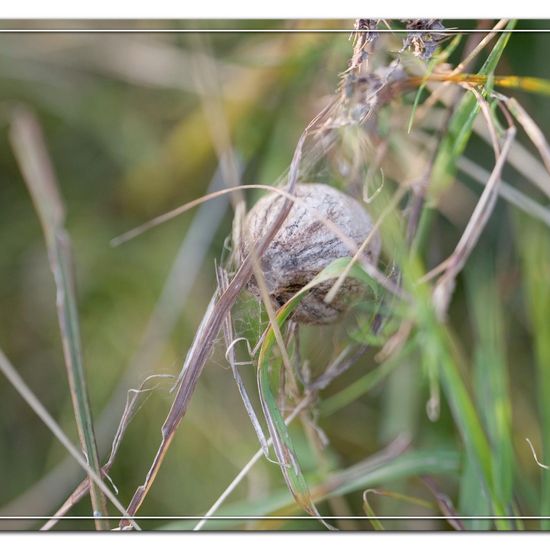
x=304, y=246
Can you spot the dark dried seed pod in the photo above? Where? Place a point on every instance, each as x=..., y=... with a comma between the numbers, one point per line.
x=304, y=246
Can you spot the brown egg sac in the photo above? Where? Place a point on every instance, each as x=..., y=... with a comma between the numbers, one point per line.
x=304, y=246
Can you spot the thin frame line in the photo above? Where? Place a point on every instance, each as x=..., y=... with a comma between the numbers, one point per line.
x=268, y=31
x=211, y=518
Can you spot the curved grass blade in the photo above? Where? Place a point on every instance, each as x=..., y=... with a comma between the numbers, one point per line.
x=282, y=443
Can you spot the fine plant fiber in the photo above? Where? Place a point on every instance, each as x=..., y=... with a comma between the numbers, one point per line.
x=229, y=338
x=134, y=401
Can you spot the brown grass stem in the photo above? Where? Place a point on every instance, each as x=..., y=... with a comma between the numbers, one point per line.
x=31, y=153
x=30, y=398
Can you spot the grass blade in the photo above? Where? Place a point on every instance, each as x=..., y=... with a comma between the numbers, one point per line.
x=282, y=443
x=490, y=373
x=506, y=191
x=30, y=151
x=461, y=124
x=433, y=63
x=438, y=346
x=134, y=401
x=536, y=266
x=440, y=354
x=375, y=522
x=533, y=131
x=474, y=500
x=229, y=337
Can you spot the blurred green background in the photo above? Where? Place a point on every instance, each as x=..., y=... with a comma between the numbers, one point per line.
x=127, y=133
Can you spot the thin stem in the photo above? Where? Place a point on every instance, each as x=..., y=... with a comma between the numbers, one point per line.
x=31, y=153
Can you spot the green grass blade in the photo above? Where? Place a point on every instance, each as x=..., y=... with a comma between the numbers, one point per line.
x=490, y=372
x=30, y=150
x=282, y=443
x=534, y=246
x=436, y=341
x=441, y=361
x=460, y=126
x=438, y=348
x=376, y=523
x=473, y=498
x=369, y=511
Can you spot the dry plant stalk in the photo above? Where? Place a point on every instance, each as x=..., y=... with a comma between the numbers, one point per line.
x=30, y=150
x=26, y=393
x=133, y=402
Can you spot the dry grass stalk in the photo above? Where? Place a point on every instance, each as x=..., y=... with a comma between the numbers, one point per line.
x=454, y=264
x=30, y=150
x=26, y=393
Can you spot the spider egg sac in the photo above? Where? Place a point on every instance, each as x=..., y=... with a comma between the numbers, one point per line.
x=304, y=246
